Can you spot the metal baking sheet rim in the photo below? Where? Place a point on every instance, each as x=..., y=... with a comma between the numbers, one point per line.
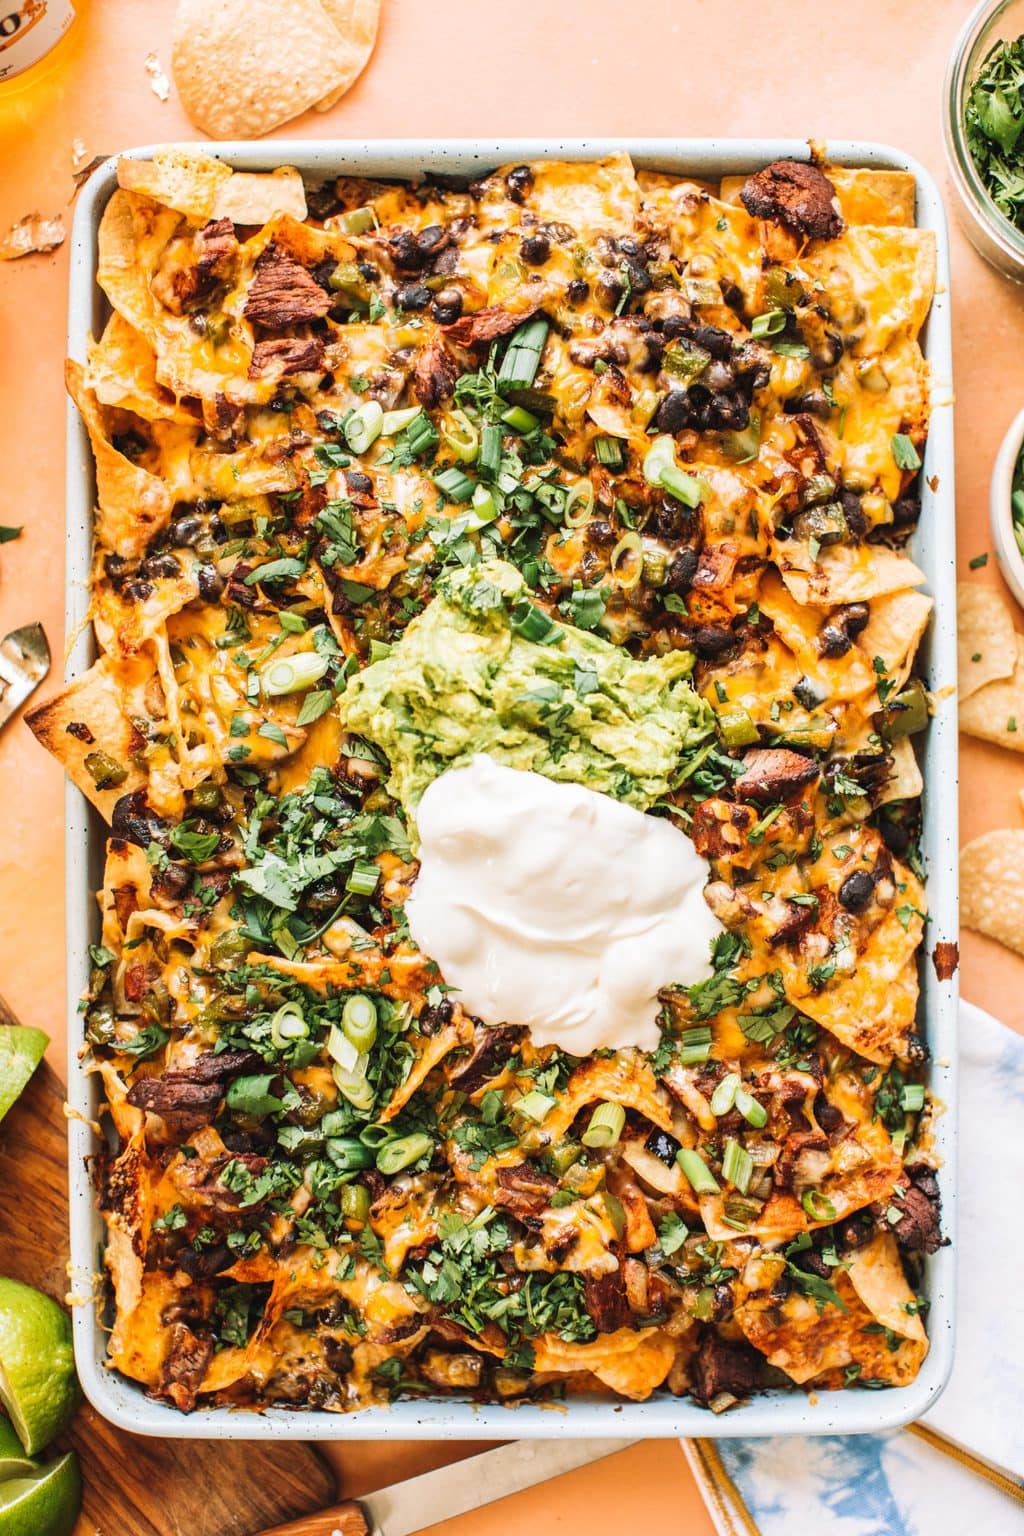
x=791, y=1413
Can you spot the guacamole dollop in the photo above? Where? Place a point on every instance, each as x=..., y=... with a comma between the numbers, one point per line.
x=484, y=670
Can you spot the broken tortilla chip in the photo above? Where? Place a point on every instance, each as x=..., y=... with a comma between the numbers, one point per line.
x=180, y=179
x=847, y=574
x=243, y=67
x=992, y=886
x=356, y=21
x=996, y=712
x=86, y=729
x=986, y=649
x=251, y=197
x=32, y=236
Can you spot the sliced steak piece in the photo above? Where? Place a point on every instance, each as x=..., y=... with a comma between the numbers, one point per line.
x=435, y=373
x=283, y=293
x=918, y=1229
x=774, y=773
x=184, y=1366
x=525, y=1190
x=720, y=1366
x=285, y=356
x=607, y=1301
x=795, y=194
x=491, y=1050
x=484, y=326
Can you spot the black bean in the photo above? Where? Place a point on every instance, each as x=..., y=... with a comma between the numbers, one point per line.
x=682, y=569
x=432, y=240
x=639, y=277
x=405, y=253
x=412, y=296
x=447, y=306
x=674, y=412
x=833, y=640
x=856, y=891
x=854, y=513
x=211, y=583
x=729, y=413
x=186, y=531
x=662, y=1146
x=714, y=340
x=368, y=271
x=138, y=591
x=155, y=566
x=519, y=182
x=358, y=484
x=854, y=617
x=535, y=249
x=577, y=290
x=609, y=290
x=711, y=641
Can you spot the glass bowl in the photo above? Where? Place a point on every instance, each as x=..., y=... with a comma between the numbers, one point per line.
x=999, y=241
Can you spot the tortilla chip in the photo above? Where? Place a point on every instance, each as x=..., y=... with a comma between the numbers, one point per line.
x=90, y=708
x=893, y=633
x=253, y=198
x=992, y=886
x=181, y=179
x=632, y=1363
x=243, y=67
x=845, y=573
x=876, y=1274
x=121, y=372
x=905, y=781
x=996, y=712
x=986, y=649
x=356, y=21
x=133, y=505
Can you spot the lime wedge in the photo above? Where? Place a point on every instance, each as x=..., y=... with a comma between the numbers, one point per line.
x=13, y=1461
x=37, y=1367
x=46, y=1503
x=21, y=1051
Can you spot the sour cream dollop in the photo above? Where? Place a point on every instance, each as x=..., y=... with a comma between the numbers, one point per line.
x=554, y=907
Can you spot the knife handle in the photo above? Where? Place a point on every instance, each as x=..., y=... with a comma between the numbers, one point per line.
x=340, y=1520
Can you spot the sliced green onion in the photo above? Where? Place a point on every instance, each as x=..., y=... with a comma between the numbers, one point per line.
x=287, y=1026
x=630, y=544
x=363, y=879
x=354, y=1086
x=904, y=453
x=660, y=468
x=753, y=1112
x=522, y=356
x=489, y=462
x=396, y=1155
x=533, y=623
x=534, y=1106
x=608, y=451
x=293, y=674
x=348, y=1153
x=818, y=1206
x=737, y=1166
x=420, y=434
x=377, y=1134
x=459, y=434
x=454, y=485
x=702, y=1180
x=579, y=504
x=359, y=1019
x=364, y=426
x=397, y=421
x=378, y=650
x=355, y=1202
x=485, y=508
x=912, y=1098
x=520, y=419
x=342, y=1051
x=724, y=1095
x=616, y=1214
x=695, y=1045
x=768, y=324
x=606, y=1125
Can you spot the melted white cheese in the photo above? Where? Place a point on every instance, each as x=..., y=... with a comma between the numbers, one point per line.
x=554, y=907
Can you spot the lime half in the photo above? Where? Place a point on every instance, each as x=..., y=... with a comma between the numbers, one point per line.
x=37, y=1366
x=13, y=1461
x=21, y=1051
x=46, y=1503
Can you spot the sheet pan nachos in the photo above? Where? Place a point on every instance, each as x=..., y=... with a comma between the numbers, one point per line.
x=314, y=409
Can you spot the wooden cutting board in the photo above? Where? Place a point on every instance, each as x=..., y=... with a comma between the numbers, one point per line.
x=135, y=1486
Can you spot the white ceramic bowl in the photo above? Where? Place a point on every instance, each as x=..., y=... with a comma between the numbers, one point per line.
x=1000, y=513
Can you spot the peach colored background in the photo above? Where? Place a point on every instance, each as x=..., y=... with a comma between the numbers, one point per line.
x=470, y=67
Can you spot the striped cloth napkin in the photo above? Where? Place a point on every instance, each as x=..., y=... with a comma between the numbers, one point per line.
x=961, y=1469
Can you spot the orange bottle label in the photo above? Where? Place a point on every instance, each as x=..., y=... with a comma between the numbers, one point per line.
x=28, y=30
